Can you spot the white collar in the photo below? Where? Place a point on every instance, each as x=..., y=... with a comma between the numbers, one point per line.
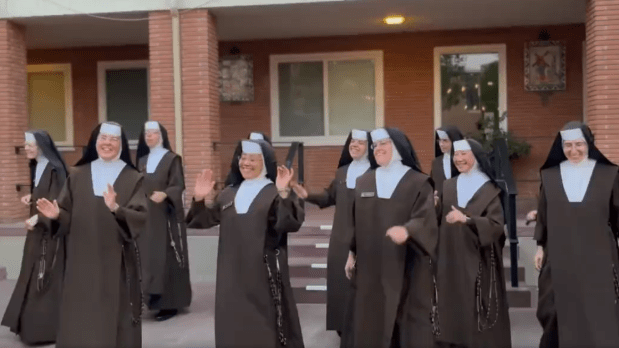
x=103, y=173
x=468, y=184
x=355, y=170
x=389, y=176
x=576, y=177
x=42, y=162
x=447, y=165
x=154, y=157
x=248, y=191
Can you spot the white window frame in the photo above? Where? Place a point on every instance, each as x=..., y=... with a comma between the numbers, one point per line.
x=102, y=68
x=324, y=140
x=500, y=49
x=68, y=98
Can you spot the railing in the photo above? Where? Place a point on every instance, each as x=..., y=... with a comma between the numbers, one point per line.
x=505, y=179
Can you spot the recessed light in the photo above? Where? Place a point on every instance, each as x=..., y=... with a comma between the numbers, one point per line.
x=394, y=20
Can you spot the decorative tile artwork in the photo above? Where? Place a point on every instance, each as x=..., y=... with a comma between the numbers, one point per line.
x=236, y=78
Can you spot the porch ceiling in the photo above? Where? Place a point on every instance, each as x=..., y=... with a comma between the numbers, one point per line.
x=314, y=19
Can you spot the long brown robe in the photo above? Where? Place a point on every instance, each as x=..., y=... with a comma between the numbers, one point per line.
x=245, y=311
x=578, y=304
x=462, y=250
x=338, y=286
x=394, y=285
x=437, y=174
x=101, y=293
x=33, y=309
x=165, y=266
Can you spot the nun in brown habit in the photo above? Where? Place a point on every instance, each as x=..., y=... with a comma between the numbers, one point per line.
x=163, y=245
x=254, y=304
x=354, y=162
x=443, y=167
x=32, y=312
x=393, y=248
x=472, y=306
x=576, y=232
x=101, y=211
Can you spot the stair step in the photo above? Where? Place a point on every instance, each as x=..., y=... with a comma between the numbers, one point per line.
x=315, y=250
x=2, y=273
x=520, y=297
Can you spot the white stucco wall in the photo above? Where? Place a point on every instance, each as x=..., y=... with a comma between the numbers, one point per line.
x=38, y=8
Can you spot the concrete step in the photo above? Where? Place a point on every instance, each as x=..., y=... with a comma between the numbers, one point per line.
x=2, y=273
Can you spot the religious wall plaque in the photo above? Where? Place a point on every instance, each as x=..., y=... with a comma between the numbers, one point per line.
x=544, y=66
x=236, y=78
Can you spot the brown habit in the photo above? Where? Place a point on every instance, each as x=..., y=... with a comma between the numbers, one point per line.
x=101, y=291
x=394, y=282
x=165, y=267
x=577, y=304
x=438, y=174
x=245, y=314
x=338, y=286
x=462, y=250
x=32, y=311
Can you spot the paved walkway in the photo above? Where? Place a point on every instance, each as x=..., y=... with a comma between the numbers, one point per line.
x=195, y=328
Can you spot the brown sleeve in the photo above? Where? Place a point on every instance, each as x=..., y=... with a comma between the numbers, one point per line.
x=65, y=203
x=47, y=225
x=203, y=216
x=132, y=216
x=540, y=226
x=326, y=198
x=287, y=214
x=614, y=208
x=422, y=226
x=489, y=226
x=176, y=185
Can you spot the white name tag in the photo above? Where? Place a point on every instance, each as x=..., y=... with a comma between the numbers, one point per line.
x=367, y=194
x=226, y=206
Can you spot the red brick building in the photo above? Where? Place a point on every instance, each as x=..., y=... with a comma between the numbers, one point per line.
x=67, y=73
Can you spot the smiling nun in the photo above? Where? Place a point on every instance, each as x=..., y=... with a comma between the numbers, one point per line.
x=354, y=162
x=395, y=237
x=473, y=308
x=443, y=166
x=32, y=312
x=101, y=210
x=254, y=304
x=238, y=151
x=576, y=232
x=163, y=245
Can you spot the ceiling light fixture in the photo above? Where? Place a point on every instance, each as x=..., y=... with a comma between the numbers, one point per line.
x=394, y=20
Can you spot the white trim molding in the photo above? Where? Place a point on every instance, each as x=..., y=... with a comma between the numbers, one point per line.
x=68, y=96
x=500, y=49
x=102, y=68
x=325, y=140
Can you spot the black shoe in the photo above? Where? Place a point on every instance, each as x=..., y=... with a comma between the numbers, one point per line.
x=166, y=314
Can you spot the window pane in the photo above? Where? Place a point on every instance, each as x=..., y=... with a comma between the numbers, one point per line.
x=352, y=96
x=301, y=99
x=469, y=89
x=127, y=99
x=46, y=103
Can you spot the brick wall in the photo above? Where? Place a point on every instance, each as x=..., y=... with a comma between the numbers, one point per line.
x=408, y=76
x=603, y=74
x=13, y=111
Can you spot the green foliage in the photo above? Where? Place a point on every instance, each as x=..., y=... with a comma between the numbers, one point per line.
x=490, y=130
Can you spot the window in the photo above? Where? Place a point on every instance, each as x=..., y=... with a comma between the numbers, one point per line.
x=319, y=98
x=50, y=101
x=469, y=86
x=124, y=95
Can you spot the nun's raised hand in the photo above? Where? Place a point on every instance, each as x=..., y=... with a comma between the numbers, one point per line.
x=350, y=265
x=48, y=209
x=26, y=199
x=455, y=216
x=284, y=176
x=204, y=185
x=299, y=190
x=109, y=197
x=398, y=234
